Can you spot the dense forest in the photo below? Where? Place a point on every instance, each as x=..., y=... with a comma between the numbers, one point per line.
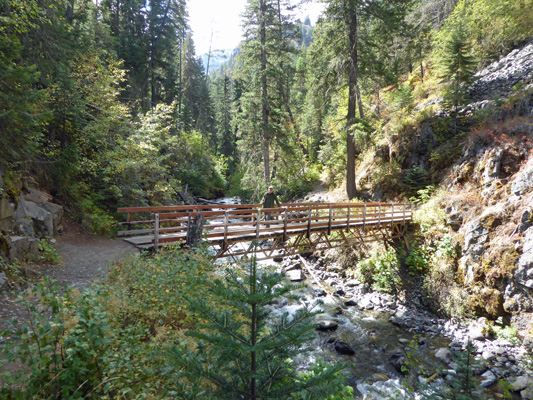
x=107, y=104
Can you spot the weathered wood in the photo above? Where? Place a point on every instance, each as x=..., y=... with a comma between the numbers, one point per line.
x=301, y=226
x=194, y=234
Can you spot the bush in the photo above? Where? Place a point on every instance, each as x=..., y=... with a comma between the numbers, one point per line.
x=381, y=270
x=48, y=253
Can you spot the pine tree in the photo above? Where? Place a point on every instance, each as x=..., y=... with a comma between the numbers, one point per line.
x=241, y=351
x=266, y=57
x=458, y=68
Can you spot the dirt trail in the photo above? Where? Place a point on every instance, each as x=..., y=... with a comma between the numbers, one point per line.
x=85, y=259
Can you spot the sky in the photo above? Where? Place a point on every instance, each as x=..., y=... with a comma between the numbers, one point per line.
x=222, y=20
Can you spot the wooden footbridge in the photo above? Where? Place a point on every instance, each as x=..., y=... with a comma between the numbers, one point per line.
x=239, y=230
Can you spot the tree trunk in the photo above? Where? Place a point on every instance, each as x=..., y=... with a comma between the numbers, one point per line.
x=264, y=89
x=70, y=12
x=195, y=231
x=353, y=100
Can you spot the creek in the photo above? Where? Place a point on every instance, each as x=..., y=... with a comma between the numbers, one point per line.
x=379, y=337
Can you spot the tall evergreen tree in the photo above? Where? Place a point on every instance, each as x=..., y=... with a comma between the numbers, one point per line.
x=348, y=16
x=266, y=61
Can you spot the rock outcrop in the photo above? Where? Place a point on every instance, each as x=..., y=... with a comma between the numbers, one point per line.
x=24, y=222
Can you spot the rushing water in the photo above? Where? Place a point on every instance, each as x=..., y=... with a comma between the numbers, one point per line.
x=373, y=339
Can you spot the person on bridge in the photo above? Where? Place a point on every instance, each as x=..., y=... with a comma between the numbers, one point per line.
x=268, y=202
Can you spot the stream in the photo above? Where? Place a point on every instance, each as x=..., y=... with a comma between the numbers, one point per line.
x=374, y=333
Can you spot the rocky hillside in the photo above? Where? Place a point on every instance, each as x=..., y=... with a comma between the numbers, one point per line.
x=484, y=169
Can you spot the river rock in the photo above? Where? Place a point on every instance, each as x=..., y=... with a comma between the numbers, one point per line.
x=344, y=348
x=291, y=267
x=327, y=325
x=295, y=275
x=398, y=360
x=522, y=382
x=350, y=303
x=489, y=379
x=445, y=355
x=353, y=283
x=478, y=330
x=378, y=377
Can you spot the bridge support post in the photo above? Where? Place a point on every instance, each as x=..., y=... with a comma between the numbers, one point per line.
x=156, y=232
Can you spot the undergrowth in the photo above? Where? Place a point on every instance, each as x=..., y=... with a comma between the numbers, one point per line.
x=112, y=340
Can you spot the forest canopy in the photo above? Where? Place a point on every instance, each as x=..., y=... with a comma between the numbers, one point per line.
x=107, y=103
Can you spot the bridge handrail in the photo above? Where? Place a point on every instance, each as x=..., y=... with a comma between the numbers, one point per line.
x=294, y=216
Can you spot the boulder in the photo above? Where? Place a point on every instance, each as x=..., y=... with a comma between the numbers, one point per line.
x=57, y=215
x=489, y=379
x=327, y=325
x=445, y=355
x=23, y=248
x=296, y=275
x=43, y=220
x=344, y=348
x=37, y=196
x=398, y=360
x=7, y=211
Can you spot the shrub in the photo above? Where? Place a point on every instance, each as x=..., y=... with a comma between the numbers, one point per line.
x=381, y=270
x=48, y=253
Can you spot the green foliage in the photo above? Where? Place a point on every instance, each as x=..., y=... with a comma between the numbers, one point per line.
x=416, y=179
x=381, y=270
x=494, y=26
x=21, y=111
x=458, y=68
x=152, y=290
x=240, y=351
x=71, y=349
x=422, y=195
x=462, y=385
x=48, y=253
x=419, y=258
x=403, y=98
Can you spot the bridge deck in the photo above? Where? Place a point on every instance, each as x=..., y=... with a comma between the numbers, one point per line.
x=226, y=225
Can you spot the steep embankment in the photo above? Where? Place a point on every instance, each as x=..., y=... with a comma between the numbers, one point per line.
x=488, y=182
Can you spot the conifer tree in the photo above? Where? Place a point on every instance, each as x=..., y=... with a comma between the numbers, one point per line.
x=458, y=68
x=241, y=351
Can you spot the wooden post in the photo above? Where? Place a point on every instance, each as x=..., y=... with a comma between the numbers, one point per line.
x=128, y=219
x=348, y=220
x=195, y=230
x=392, y=216
x=309, y=223
x=188, y=225
x=364, y=217
x=226, y=229
x=403, y=214
x=285, y=225
x=379, y=216
x=258, y=223
x=329, y=223
x=156, y=232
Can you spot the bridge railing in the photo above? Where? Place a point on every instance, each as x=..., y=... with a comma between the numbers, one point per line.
x=225, y=223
